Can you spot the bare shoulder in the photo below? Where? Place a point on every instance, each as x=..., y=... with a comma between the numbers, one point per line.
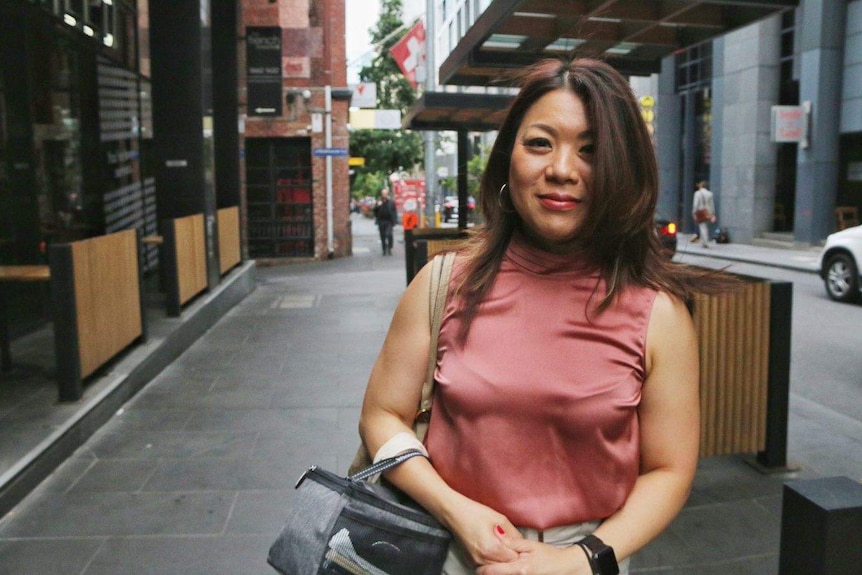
x=671, y=328
x=415, y=301
x=669, y=308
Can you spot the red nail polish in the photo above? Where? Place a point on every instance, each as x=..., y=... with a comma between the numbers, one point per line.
x=499, y=530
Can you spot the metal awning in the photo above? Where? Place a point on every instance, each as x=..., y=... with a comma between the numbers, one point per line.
x=632, y=35
x=457, y=111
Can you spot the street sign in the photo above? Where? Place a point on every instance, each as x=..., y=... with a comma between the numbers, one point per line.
x=331, y=152
x=263, y=71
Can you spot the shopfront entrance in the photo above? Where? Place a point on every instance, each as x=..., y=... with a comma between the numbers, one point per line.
x=279, y=197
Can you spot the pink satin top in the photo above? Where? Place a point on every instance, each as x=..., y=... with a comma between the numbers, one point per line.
x=536, y=416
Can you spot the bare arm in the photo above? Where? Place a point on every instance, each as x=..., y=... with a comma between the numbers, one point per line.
x=395, y=384
x=390, y=404
x=670, y=431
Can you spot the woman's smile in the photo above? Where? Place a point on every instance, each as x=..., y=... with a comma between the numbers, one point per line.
x=559, y=202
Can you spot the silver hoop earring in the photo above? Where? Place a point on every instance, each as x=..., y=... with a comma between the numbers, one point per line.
x=500, y=200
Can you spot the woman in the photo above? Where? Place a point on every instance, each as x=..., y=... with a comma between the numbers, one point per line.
x=566, y=400
x=703, y=211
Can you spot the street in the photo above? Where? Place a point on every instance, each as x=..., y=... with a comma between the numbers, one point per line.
x=826, y=365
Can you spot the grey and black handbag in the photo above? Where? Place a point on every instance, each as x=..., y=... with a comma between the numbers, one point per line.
x=347, y=525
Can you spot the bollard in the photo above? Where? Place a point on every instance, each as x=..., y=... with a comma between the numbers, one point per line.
x=821, y=527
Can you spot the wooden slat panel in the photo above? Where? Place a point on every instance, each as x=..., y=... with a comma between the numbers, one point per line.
x=437, y=246
x=228, y=238
x=191, y=256
x=107, y=296
x=734, y=351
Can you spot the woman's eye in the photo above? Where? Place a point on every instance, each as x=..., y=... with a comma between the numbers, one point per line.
x=537, y=143
x=589, y=149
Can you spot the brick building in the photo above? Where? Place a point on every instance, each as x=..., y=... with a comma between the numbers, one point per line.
x=294, y=128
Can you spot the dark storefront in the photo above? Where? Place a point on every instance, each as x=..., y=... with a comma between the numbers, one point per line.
x=86, y=89
x=70, y=130
x=70, y=118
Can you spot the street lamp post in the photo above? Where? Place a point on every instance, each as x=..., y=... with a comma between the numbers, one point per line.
x=327, y=127
x=430, y=86
x=327, y=123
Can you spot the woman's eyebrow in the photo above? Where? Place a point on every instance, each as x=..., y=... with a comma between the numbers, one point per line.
x=584, y=135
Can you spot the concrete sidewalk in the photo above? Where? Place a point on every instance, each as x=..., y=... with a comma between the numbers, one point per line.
x=194, y=475
x=798, y=259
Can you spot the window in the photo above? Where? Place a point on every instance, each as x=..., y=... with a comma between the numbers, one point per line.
x=76, y=8
x=789, y=94
x=694, y=68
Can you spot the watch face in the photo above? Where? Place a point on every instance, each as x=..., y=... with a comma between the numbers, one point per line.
x=606, y=562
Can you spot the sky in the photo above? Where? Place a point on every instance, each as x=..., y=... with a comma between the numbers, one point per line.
x=361, y=15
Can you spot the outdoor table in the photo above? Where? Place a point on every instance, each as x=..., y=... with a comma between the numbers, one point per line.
x=10, y=275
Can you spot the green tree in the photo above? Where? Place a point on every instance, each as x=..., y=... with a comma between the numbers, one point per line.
x=386, y=151
x=393, y=89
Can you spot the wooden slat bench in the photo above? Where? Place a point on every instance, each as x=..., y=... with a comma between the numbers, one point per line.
x=421, y=244
x=97, y=304
x=185, y=261
x=228, y=239
x=744, y=340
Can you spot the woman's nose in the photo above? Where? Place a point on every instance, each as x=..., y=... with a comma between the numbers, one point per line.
x=562, y=167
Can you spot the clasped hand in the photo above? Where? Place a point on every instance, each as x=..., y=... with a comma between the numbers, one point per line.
x=498, y=548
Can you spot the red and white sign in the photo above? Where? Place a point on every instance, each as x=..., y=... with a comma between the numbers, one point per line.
x=789, y=124
x=409, y=52
x=409, y=195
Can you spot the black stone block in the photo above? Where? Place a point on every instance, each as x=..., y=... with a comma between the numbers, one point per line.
x=821, y=527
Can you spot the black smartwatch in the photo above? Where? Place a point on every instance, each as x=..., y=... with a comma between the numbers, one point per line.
x=601, y=556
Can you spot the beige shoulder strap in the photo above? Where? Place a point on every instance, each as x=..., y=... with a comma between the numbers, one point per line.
x=441, y=270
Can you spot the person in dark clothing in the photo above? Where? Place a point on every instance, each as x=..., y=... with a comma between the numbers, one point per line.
x=386, y=215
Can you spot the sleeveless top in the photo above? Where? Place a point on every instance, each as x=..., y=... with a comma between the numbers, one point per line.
x=536, y=415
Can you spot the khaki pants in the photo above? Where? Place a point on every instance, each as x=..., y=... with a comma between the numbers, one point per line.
x=457, y=562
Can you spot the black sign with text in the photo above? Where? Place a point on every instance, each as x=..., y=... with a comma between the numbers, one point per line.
x=263, y=71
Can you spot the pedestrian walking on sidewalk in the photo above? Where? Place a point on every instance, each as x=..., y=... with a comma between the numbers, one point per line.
x=386, y=214
x=703, y=211
x=564, y=430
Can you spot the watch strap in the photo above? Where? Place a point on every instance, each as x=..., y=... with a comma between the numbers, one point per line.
x=601, y=556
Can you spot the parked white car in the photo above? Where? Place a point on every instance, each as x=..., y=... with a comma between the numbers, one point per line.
x=839, y=264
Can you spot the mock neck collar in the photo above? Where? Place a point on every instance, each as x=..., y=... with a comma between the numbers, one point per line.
x=527, y=256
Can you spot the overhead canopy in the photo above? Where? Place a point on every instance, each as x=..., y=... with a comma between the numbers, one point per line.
x=633, y=35
x=457, y=111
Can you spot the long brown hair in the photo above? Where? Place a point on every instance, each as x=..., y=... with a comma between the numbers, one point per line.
x=619, y=233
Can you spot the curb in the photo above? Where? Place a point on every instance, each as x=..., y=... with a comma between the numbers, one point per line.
x=755, y=261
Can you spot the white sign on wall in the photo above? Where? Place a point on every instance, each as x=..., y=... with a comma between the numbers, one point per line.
x=790, y=124
x=316, y=122
x=364, y=95
x=388, y=119
x=375, y=119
